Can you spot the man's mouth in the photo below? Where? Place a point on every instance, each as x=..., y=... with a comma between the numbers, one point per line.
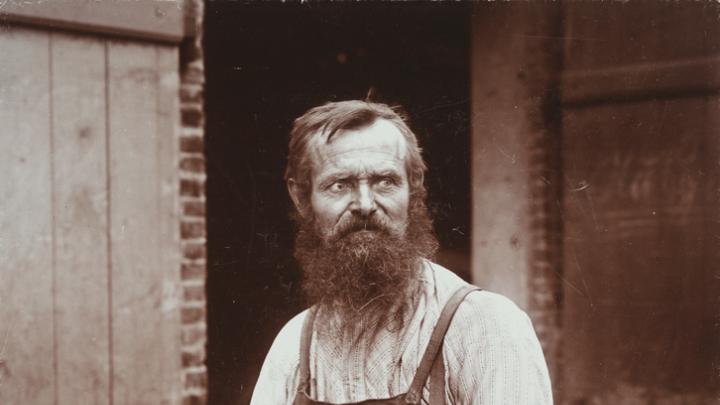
x=363, y=232
x=365, y=228
x=359, y=231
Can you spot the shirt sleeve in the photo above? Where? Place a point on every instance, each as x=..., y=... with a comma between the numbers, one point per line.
x=496, y=354
x=278, y=376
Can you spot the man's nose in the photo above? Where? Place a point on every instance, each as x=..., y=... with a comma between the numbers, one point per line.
x=364, y=200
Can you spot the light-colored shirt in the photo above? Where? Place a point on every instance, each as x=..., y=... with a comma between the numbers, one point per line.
x=491, y=354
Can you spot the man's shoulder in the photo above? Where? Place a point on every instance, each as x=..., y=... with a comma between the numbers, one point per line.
x=492, y=310
x=286, y=347
x=442, y=282
x=491, y=339
x=293, y=327
x=446, y=282
x=483, y=315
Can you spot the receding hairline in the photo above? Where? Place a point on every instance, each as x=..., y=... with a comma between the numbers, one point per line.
x=324, y=121
x=322, y=138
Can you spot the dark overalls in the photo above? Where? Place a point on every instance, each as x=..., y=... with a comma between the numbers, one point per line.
x=431, y=364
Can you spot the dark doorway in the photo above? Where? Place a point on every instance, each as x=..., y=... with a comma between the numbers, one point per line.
x=265, y=65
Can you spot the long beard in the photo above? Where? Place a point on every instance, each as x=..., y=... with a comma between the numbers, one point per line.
x=366, y=274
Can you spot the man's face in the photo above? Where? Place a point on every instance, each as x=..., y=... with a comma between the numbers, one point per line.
x=361, y=236
x=360, y=175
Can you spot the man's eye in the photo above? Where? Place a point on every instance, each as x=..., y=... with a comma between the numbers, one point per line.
x=386, y=182
x=338, y=186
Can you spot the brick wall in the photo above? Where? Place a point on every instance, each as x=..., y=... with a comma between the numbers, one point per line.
x=192, y=200
x=542, y=65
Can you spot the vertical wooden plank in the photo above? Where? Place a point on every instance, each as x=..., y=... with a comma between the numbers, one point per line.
x=137, y=274
x=168, y=120
x=80, y=184
x=26, y=291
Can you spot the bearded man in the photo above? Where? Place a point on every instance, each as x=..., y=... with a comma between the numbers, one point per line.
x=387, y=325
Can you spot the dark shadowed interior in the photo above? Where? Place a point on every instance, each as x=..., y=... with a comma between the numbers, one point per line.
x=268, y=63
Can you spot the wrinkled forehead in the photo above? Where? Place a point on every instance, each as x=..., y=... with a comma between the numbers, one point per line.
x=378, y=143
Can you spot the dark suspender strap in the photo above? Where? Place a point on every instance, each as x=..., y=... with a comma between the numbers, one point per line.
x=435, y=344
x=304, y=364
x=437, y=381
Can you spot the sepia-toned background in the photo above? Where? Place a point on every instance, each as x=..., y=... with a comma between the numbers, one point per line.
x=145, y=238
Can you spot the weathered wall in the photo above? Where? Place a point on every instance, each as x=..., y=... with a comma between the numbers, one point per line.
x=595, y=187
x=516, y=178
x=640, y=157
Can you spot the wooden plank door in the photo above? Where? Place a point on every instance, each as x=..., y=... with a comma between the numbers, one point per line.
x=640, y=159
x=144, y=326
x=89, y=244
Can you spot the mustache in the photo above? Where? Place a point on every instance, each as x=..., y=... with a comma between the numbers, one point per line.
x=356, y=224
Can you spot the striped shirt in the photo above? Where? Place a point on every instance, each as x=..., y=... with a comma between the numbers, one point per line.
x=491, y=354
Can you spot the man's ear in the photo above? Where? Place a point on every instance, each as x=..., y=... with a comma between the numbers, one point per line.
x=295, y=192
